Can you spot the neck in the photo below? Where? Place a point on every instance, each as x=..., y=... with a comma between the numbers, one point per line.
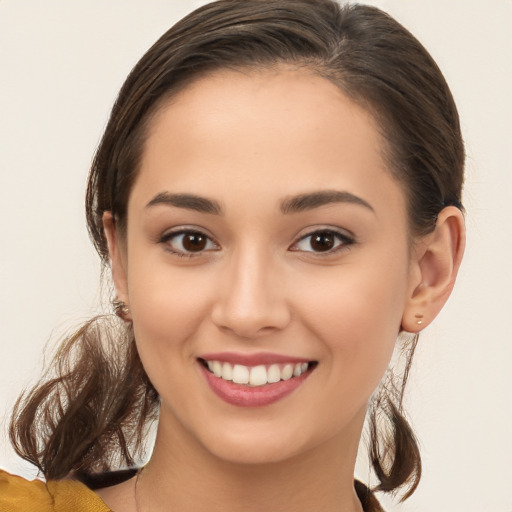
x=182, y=476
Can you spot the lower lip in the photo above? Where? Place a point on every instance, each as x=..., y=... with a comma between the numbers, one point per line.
x=252, y=396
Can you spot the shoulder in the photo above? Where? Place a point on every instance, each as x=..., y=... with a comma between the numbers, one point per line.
x=20, y=495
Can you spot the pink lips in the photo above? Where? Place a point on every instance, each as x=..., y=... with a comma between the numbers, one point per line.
x=243, y=395
x=252, y=359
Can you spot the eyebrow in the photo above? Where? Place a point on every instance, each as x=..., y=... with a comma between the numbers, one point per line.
x=294, y=204
x=187, y=201
x=309, y=201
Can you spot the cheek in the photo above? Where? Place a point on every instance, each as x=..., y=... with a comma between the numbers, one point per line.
x=356, y=314
x=168, y=308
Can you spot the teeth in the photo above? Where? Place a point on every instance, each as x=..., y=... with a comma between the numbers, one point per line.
x=273, y=373
x=227, y=371
x=217, y=369
x=287, y=372
x=240, y=374
x=256, y=375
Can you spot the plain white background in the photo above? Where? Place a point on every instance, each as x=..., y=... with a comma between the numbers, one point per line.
x=61, y=65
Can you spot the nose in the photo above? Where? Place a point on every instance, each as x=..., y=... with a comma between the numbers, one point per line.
x=252, y=298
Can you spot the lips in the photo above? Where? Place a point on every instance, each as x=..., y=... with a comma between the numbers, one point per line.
x=254, y=380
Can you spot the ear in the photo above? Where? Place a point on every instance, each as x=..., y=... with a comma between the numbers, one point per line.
x=117, y=254
x=435, y=264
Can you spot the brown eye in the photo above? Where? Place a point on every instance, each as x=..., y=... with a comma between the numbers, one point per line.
x=188, y=243
x=323, y=241
x=194, y=242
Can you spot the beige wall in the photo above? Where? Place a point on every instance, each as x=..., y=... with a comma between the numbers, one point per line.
x=62, y=63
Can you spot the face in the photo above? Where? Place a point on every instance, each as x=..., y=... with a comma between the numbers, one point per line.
x=266, y=244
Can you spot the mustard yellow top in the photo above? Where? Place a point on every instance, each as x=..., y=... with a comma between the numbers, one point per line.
x=20, y=495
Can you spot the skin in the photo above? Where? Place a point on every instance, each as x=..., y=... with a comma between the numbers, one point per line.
x=250, y=141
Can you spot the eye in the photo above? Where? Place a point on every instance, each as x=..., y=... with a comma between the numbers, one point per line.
x=188, y=242
x=322, y=241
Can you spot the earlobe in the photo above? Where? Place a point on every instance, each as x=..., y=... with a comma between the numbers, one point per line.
x=436, y=264
x=117, y=259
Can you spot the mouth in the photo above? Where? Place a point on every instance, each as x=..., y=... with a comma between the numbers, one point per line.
x=263, y=380
x=259, y=375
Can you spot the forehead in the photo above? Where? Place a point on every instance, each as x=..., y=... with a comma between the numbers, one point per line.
x=275, y=132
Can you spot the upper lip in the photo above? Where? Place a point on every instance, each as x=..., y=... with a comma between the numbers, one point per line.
x=256, y=359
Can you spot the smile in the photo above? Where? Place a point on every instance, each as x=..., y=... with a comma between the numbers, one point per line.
x=256, y=375
x=254, y=381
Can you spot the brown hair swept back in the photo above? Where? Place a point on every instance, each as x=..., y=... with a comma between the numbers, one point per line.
x=91, y=413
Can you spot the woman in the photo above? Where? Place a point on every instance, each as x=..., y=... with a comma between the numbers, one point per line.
x=277, y=194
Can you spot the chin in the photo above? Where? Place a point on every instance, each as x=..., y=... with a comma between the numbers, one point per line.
x=255, y=452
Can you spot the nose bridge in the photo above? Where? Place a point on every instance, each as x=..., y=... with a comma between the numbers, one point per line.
x=252, y=299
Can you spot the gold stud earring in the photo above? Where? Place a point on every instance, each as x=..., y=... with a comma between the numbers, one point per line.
x=419, y=318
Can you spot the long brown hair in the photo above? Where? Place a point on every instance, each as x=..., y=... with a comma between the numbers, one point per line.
x=90, y=412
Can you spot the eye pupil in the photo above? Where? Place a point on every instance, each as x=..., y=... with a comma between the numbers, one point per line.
x=323, y=241
x=194, y=242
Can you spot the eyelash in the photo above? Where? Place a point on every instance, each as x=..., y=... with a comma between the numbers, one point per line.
x=343, y=242
x=167, y=237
